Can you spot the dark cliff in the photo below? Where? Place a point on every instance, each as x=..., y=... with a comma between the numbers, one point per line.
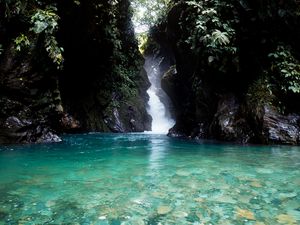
x=69, y=66
x=74, y=66
x=236, y=76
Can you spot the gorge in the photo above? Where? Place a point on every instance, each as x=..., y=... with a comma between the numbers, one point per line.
x=121, y=112
x=73, y=67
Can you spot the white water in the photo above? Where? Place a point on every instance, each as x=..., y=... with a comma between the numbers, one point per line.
x=161, y=119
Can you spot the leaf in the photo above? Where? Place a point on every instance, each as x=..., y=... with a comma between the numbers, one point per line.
x=220, y=37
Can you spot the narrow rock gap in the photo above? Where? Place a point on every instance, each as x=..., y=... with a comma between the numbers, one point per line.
x=146, y=16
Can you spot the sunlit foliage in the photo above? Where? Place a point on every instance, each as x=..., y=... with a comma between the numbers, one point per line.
x=146, y=13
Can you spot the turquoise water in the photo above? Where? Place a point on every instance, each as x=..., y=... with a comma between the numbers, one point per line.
x=148, y=179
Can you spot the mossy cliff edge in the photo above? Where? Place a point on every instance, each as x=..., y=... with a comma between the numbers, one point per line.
x=69, y=66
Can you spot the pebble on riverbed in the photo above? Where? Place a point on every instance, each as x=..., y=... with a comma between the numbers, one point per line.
x=162, y=210
x=286, y=219
x=245, y=214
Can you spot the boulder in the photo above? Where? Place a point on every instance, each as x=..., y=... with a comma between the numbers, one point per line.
x=230, y=123
x=277, y=128
x=15, y=130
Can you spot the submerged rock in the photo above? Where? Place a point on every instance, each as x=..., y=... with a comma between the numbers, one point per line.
x=256, y=184
x=245, y=214
x=286, y=219
x=162, y=210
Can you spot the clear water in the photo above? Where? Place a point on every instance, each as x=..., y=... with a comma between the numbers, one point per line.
x=148, y=179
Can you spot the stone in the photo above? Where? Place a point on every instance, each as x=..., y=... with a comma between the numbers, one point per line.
x=15, y=123
x=295, y=213
x=245, y=214
x=180, y=214
x=199, y=199
x=255, y=184
x=286, y=219
x=183, y=173
x=162, y=210
x=69, y=123
x=287, y=195
x=259, y=223
x=102, y=217
x=278, y=128
x=50, y=203
x=225, y=199
x=244, y=199
x=229, y=123
x=137, y=221
x=264, y=171
x=158, y=195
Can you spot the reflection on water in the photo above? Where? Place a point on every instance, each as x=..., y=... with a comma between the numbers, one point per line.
x=148, y=179
x=158, y=150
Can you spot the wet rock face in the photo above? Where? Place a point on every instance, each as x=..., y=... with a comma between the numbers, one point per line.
x=277, y=128
x=15, y=130
x=233, y=119
x=168, y=83
x=213, y=103
x=229, y=123
x=127, y=119
x=29, y=97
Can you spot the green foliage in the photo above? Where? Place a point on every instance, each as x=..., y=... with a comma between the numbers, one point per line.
x=125, y=62
x=42, y=19
x=260, y=92
x=54, y=51
x=147, y=13
x=146, y=43
x=208, y=28
x=143, y=39
x=46, y=21
x=21, y=42
x=38, y=23
x=219, y=38
x=77, y=2
x=124, y=80
x=286, y=69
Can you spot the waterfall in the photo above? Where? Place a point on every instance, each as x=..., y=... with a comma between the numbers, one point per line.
x=159, y=103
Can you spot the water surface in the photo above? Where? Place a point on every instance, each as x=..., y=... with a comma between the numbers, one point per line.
x=148, y=179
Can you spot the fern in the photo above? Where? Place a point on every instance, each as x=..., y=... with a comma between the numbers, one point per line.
x=208, y=28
